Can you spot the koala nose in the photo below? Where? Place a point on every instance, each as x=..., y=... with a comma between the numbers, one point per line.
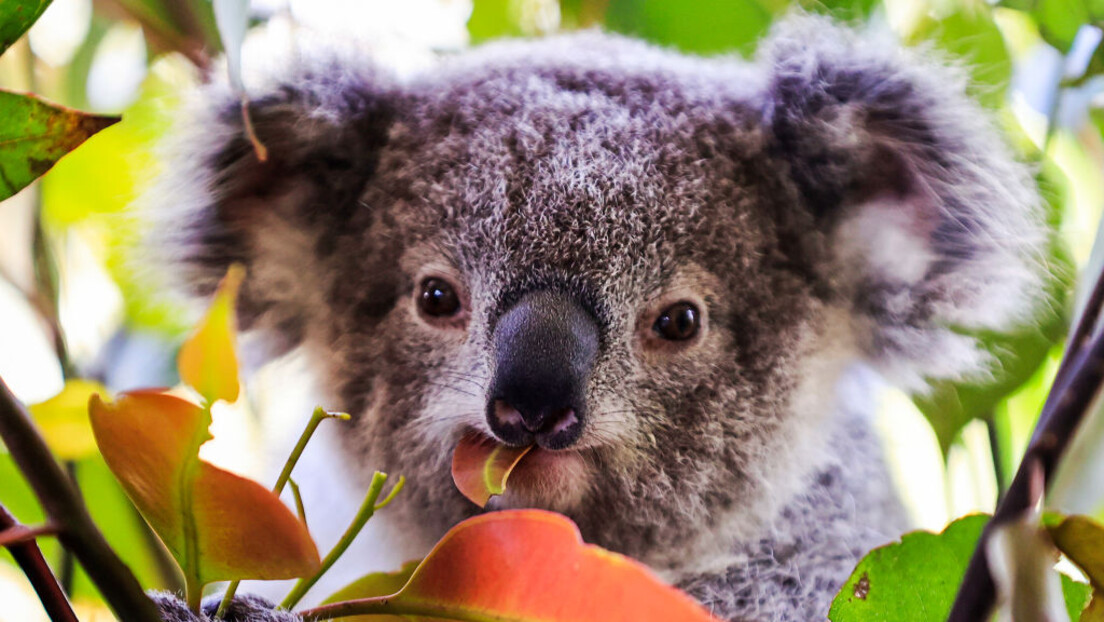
x=545, y=346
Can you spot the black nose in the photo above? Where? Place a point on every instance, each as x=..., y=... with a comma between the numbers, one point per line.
x=545, y=346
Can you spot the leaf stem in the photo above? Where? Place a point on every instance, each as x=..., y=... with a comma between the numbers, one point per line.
x=367, y=509
x=67, y=510
x=299, y=508
x=20, y=542
x=16, y=534
x=193, y=590
x=317, y=417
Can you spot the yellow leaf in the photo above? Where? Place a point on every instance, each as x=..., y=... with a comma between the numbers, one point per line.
x=63, y=420
x=208, y=360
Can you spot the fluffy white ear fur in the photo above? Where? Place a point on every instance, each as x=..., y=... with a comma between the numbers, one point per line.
x=935, y=229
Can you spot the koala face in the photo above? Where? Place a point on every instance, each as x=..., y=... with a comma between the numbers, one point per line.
x=580, y=268
x=649, y=266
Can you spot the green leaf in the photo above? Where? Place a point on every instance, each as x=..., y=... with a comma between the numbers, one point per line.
x=491, y=19
x=1077, y=596
x=16, y=16
x=1059, y=21
x=915, y=579
x=705, y=26
x=970, y=34
x=35, y=134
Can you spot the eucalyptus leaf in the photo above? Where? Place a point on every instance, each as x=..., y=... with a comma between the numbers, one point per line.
x=34, y=134
x=16, y=17
x=914, y=580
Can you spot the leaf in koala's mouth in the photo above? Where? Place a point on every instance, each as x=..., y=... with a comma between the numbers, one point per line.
x=481, y=466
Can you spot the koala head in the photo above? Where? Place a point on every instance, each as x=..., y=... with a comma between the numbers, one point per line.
x=651, y=266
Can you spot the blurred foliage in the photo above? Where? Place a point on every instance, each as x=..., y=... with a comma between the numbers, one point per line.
x=1036, y=63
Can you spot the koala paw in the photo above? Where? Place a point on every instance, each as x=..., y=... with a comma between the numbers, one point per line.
x=244, y=608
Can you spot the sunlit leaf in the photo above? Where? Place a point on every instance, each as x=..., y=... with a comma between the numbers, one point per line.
x=705, y=26
x=218, y=526
x=34, y=134
x=63, y=420
x=480, y=467
x=532, y=565
x=1077, y=596
x=491, y=19
x=16, y=16
x=1059, y=21
x=208, y=360
x=376, y=584
x=915, y=579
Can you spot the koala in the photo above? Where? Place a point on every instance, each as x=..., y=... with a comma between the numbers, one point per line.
x=657, y=269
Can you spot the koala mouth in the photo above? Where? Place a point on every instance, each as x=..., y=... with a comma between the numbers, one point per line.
x=496, y=476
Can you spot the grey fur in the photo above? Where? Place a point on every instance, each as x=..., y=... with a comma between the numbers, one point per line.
x=244, y=608
x=837, y=199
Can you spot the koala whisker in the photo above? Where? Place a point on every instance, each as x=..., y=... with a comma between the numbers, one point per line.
x=453, y=387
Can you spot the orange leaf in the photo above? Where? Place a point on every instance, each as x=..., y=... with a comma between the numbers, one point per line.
x=208, y=361
x=480, y=467
x=528, y=566
x=217, y=525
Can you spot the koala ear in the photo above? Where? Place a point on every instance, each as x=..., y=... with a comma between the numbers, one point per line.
x=930, y=225
x=324, y=123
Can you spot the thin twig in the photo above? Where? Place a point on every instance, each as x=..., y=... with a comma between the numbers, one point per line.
x=367, y=509
x=18, y=534
x=317, y=417
x=33, y=564
x=66, y=509
x=1070, y=399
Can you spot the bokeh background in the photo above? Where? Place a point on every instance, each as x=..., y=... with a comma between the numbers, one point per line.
x=76, y=302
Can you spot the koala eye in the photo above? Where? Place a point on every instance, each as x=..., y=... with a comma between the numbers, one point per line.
x=438, y=298
x=678, y=322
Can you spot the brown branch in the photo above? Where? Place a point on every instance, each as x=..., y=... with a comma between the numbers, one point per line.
x=1079, y=380
x=66, y=509
x=30, y=561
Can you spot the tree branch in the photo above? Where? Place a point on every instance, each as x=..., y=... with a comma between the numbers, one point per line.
x=30, y=561
x=66, y=509
x=1079, y=380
